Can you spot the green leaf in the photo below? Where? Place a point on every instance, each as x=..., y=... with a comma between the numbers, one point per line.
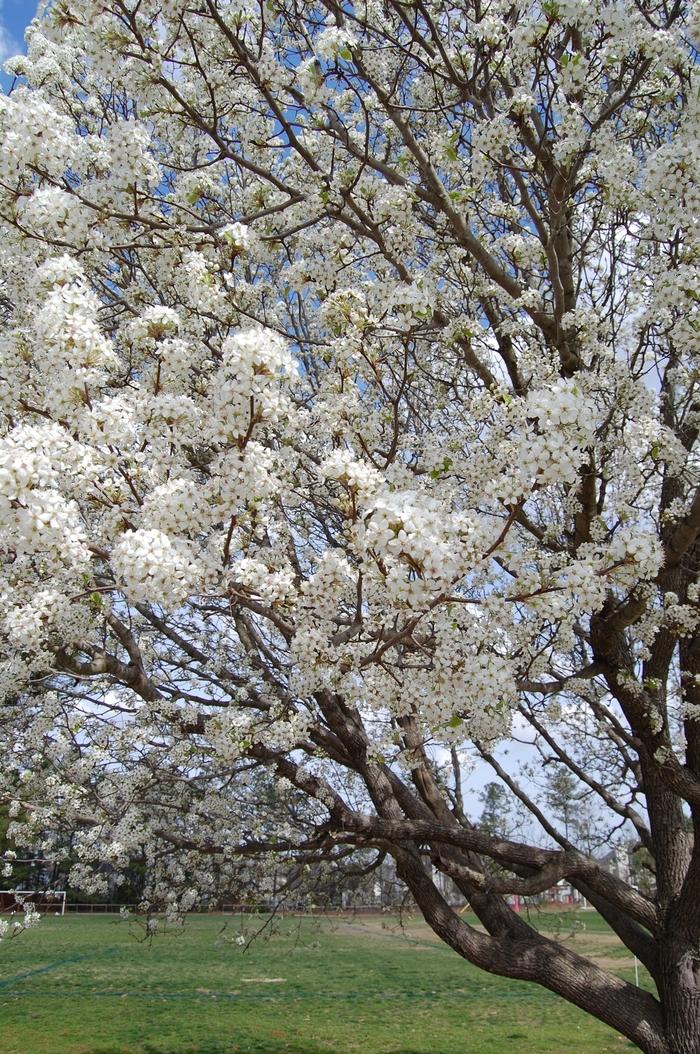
x=95, y=601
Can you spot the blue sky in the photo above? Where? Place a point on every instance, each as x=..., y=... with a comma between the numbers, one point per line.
x=15, y=16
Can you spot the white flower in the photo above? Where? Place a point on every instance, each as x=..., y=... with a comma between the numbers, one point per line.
x=237, y=235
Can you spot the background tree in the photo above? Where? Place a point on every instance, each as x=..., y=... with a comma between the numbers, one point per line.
x=560, y=798
x=350, y=416
x=496, y=811
x=566, y=803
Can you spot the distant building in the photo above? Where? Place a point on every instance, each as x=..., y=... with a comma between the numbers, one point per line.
x=617, y=862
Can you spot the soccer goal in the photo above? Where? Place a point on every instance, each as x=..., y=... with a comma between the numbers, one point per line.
x=45, y=901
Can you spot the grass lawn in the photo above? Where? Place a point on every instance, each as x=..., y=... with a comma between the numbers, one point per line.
x=85, y=985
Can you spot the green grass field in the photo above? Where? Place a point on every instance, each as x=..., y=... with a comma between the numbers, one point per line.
x=85, y=985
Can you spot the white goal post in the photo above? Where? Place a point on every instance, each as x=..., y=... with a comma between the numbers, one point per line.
x=46, y=901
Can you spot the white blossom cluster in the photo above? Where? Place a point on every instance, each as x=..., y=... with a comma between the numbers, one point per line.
x=333, y=42
x=246, y=386
x=150, y=565
x=14, y=926
x=238, y=236
x=411, y=531
x=36, y=516
x=566, y=421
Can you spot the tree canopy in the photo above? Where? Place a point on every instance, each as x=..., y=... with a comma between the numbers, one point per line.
x=349, y=402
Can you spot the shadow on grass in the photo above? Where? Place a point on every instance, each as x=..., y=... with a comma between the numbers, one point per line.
x=243, y=1046
x=240, y=1045
x=246, y=1047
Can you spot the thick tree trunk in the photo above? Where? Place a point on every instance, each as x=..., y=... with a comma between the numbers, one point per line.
x=679, y=910
x=681, y=982
x=680, y=977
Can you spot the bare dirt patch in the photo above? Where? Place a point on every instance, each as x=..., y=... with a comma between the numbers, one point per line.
x=263, y=980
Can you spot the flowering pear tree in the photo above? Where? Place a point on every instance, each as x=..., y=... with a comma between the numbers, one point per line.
x=350, y=412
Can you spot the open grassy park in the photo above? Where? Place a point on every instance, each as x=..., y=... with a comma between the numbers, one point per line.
x=86, y=985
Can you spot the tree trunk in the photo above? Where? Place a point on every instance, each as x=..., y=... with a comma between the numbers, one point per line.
x=679, y=910
x=680, y=983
